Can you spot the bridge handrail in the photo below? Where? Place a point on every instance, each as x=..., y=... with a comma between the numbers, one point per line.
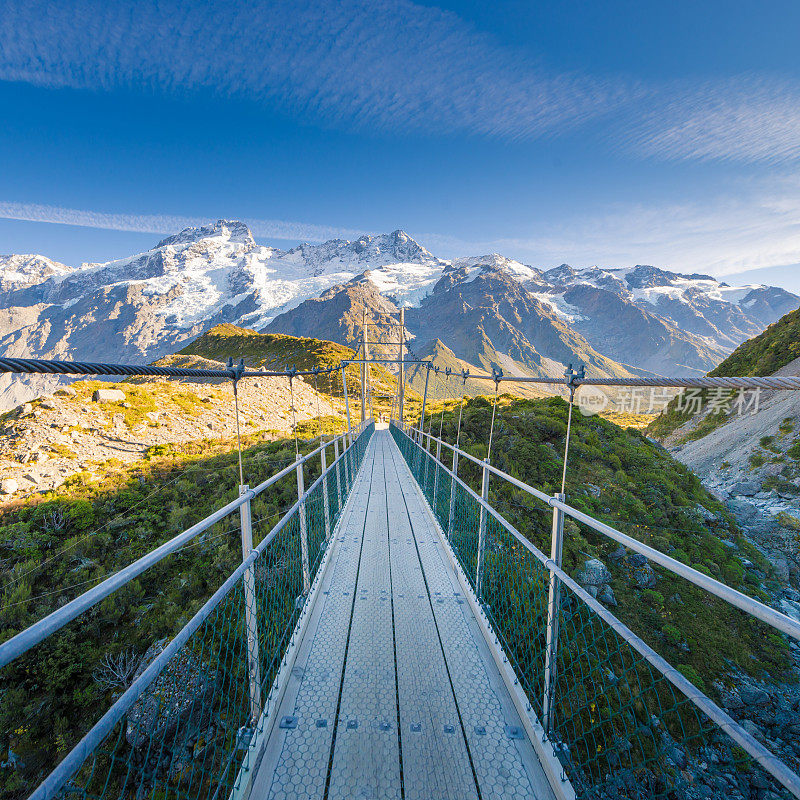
x=31, y=636
x=750, y=605
x=748, y=743
x=72, y=762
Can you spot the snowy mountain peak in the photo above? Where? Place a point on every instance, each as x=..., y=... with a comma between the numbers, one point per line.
x=366, y=252
x=476, y=265
x=146, y=305
x=227, y=230
x=19, y=271
x=561, y=274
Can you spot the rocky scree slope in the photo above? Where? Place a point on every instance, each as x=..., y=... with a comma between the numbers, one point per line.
x=85, y=427
x=752, y=460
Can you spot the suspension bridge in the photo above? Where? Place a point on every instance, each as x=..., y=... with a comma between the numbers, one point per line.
x=394, y=636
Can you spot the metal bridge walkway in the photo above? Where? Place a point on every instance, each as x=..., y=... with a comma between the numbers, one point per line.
x=393, y=692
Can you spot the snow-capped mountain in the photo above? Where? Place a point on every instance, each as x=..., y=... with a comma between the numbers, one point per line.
x=145, y=306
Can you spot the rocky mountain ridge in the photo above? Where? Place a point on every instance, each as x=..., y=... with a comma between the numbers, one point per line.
x=145, y=306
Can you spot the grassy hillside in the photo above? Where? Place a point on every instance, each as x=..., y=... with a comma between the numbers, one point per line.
x=620, y=477
x=275, y=351
x=58, y=545
x=762, y=355
x=268, y=350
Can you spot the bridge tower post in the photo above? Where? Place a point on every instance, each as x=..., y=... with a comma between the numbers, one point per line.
x=364, y=367
x=303, y=528
x=553, y=603
x=250, y=615
x=401, y=377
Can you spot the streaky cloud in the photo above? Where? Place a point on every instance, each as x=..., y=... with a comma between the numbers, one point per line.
x=369, y=65
x=748, y=118
x=161, y=223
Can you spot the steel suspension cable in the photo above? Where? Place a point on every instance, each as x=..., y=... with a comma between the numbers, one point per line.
x=566, y=441
x=491, y=428
x=238, y=432
x=319, y=416
x=294, y=417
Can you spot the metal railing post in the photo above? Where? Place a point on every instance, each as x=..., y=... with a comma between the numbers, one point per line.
x=553, y=603
x=425, y=444
x=303, y=529
x=451, y=516
x=325, y=501
x=250, y=615
x=436, y=475
x=338, y=471
x=482, y=531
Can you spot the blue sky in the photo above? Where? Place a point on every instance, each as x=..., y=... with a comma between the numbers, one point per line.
x=612, y=133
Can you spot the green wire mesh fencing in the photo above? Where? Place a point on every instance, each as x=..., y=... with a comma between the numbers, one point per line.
x=189, y=731
x=619, y=727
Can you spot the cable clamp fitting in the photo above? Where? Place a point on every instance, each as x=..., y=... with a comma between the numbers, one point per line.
x=574, y=378
x=235, y=371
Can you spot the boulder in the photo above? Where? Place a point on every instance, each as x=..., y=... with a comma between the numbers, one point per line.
x=751, y=728
x=593, y=490
x=9, y=486
x=705, y=514
x=789, y=607
x=731, y=700
x=638, y=569
x=594, y=573
x=66, y=391
x=754, y=695
x=180, y=695
x=618, y=554
x=744, y=489
x=606, y=596
x=108, y=396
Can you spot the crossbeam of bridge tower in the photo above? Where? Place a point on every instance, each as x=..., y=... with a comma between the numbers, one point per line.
x=349, y=437
x=401, y=377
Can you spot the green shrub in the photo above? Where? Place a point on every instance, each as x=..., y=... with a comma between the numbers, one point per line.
x=672, y=634
x=691, y=674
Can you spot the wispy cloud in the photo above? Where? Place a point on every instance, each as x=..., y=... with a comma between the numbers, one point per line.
x=758, y=228
x=161, y=223
x=368, y=64
x=386, y=65
x=749, y=118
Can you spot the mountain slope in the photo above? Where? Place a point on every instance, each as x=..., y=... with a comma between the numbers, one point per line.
x=768, y=352
x=278, y=352
x=491, y=313
x=752, y=458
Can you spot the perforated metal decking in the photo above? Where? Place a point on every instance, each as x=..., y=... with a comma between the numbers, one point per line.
x=394, y=693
